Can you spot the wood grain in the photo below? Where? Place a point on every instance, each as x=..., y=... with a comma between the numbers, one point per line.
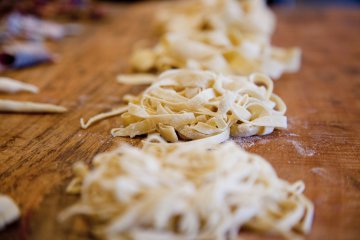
x=321, y=146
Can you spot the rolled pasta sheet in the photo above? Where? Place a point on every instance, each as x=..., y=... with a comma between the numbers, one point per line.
x=12, y=86
x=187, y=191
x=29, y=107
x=229, y=52
x=193, y=104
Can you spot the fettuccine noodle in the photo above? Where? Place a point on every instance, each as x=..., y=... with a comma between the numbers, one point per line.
x=167, y=191
x=190, y=105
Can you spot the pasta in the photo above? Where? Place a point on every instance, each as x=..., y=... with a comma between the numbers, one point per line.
x=186, y=191
x=249, y=16
x=225, y=36
x=9, y=211
x=229, y=53
x=13, y=86
x=191, y=105
x=29, y=107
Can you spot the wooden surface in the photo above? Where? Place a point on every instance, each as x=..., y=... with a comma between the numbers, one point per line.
x=321, y=145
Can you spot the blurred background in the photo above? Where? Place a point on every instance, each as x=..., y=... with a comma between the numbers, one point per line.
x=26, y=24
x=90, y=7
x=316, y=2
x=84, y=5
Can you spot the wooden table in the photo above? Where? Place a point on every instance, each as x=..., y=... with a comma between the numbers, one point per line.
x=321, y=145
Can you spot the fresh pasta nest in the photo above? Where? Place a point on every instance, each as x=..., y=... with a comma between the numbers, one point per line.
x=226, y=36
x=230, y=53
x=249, y=16
x=186, y=191
x=190, y=105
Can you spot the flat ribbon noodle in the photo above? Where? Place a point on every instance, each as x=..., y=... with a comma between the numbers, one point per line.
x=193, y=104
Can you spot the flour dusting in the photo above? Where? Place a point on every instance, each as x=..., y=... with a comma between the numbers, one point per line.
x=248, y=142
x=323, y=173
x=82, y=99
x=301, y=150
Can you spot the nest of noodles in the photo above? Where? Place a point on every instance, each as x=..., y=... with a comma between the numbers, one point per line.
x=192, y=105
x=187, y=191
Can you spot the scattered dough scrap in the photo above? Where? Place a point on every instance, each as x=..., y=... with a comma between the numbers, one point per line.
x=29, y=107
x=13, y=86
x=186, y=191
x=9, y=211
x=135, y=79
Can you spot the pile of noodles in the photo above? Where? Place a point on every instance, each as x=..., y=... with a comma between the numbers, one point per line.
x=248, y=16
x=187, y=191
x=191, y=104
x=232, y=53
x=226, y=36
